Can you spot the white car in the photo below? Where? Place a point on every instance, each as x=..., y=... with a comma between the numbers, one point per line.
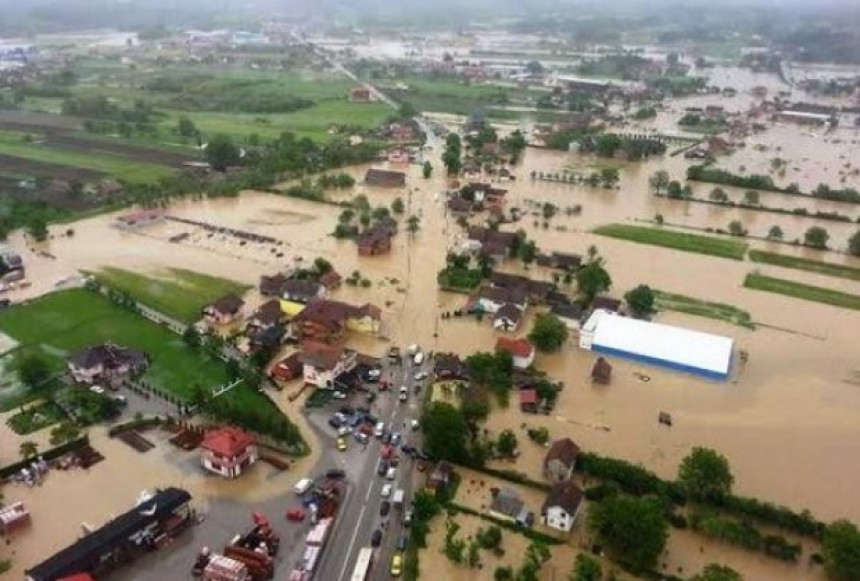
x=379, y=430
x=391, y=474
x=344, y=431
x=303, y=486
x=339, y=395
x=421, y=376
x=404, y=393
x=97, y=389
x=386, y=491
x=415, y=425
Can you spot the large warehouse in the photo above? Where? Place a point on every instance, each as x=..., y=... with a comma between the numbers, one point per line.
x=675, y=348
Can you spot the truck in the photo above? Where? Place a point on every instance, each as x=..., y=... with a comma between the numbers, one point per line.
x=221, y=568
x=397, y=499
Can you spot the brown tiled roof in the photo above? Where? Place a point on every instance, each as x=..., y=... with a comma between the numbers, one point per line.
x=458, y=204
x=564, y=450
x=320, y=355
x=509, y=311
x=272, y=285
x=516, y=347
x=565, y=494
x=301, y=289
x=385, y=178
x=528, y=396
x=503, y=295
x=328, y=312
x=607, y=303
x=602, y=370
x=228, y=305
x=269, y=313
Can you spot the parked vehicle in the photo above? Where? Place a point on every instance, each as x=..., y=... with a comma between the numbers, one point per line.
x=362, y=438
x=334, y=423
x=296, y=515
x=396, y=565
x=303, y=485
x=386, y=491
x=335, y=473
x=418, y=359
x=404, y=393
x=407, y=517
x=379, y=430
x=402, y=541
x=421, y=376
x=339, y=395
x=391, y=474
x=384, y=507
x=383, y=468
x=344, y=431
x=376, y=538
x=395, y=438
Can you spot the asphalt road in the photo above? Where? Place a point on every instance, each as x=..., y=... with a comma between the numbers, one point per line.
x=359, y=515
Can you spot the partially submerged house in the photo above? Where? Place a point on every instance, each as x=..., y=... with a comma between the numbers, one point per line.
x=507, y=317
x=272, y=286
x=360, y=94
x=267, y=315
x=383, y=178
x=327, y=320
x=228, y=451
x=224, y=311
x=522, y=352
x=302, y=290
x=491, y=299
x=288, y=368
x=106, y=362
x=507, y=505
x=562, y=505
x=529, y=400
x=534, y=290
x=560, y=460
x=439, y=477
x=568, y=313
x=377, y=238
x=322, y=363
x=448, y=366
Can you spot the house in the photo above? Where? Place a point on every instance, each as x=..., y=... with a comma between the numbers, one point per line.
x=327, y=320
x=302, y=291
x=272, y=286
x=364, y=319
x=491, y=299
x=562, y=505
x=475, y=122
x=268, y=315
x=228, y=451
x=566, y=261
x=508, y=317
x=360, y=95
x=568, y=313
x=331, y=279
x=142, y=218
x=383, y=178
x=287, y=369
x=601, y=372
x=224, y=311
x=265, y=338
x=536, y=290
x=105, y=363
x=322, y=363
x=560, y=460
x=520, y=349
x=606, y=304
x=449, y=366
x=291, y=309
x=458, y=207
x=398, y=156
x=440, y=477
x=529, y=400
x=375, y=240
x=507, y=505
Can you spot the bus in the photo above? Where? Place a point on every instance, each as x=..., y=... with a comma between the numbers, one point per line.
x=361, y=572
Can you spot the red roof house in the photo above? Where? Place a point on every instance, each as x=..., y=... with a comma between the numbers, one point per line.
x=520, y=349
x=528, y=400
x=228, y=451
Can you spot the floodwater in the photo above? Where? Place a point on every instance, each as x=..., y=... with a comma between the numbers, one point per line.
x=789, y=422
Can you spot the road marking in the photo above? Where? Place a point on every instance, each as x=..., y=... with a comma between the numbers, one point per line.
x=369, y=490
x=352, y=542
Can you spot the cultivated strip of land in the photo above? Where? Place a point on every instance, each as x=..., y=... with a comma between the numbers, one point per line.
x=802, y=291
x=683, y=241
x=692, y=306
x=825, y=268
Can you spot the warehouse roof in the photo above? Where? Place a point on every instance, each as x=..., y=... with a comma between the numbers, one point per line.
x=675, y=347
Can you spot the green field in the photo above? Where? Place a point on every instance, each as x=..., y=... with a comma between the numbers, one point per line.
x=805, y=292
x=825, y=268
x=701, y=308
x=125, y=168
x=451, y=96
x=179, y=293
x=676, y=240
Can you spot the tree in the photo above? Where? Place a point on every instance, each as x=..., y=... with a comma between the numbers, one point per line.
x=427, y=169
x=632, y=529
x=361, y=203
x=64, y=432
x=191, y=336
x=705, y=475
x=534, y=67
x=714, y=572
x=609, y=176
x=548, y=333
x=453, y=547
x=365, y=219
x=674, y=189
x=446, y=433
x=37, y=227
x=473, y=555
x=840, y=548
x=775, y=233
x=32, y=368
x=503, y=574
x=489, y=538
x=586, y=568
x=854, y=244
x=397, y=206
x=593, y=279
x=221, y=152
x=413, y=224
x=407, y=110
x=751, y=198
x=659, y=180
x=736, y=228
x=640, y=300
x=451, y=155
x=719, y=195
x=346, y=216
x=28, y=449
x=506, y=445
x=528, y=252
x=185, y=127
x=816, y=237
x=322, y=266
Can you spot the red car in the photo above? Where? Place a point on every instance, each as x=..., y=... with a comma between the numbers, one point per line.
x=296, y=515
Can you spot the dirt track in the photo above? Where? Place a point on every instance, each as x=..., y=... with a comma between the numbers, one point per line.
x=26, y=167
x=143, y=154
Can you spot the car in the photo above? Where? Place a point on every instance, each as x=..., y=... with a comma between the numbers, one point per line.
x=391, y=474
x=394, y=354
x=334, y=423
x=386, y=491
x=396, y=565
x=303, y=486
x=344, y=431
x=296, y=515
x=421, y=376
x=341, y=417
x=341, y=444
x=379, y=430
x=415, y=425
x=371, y=397
x=407, y=517
x=339, y=395
x=384, y=506
x=394, y=462
x=376, y=538
x=355, y=420
x=402, y=541
x=373, y=375
x=407, y=449
x=404, y=393
x=97, y=389
x=395, y=438
x=120, y=400
x=335, y=473
x=386, y=438
x=382, y=468
x=361, y=438
x=346, y=410
x=418, y=359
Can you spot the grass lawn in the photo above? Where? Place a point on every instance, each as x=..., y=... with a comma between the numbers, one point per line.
x=826, y=268
x=127, y=169
x=677, y=240
x=805, y=292
x=65, y=321
x=693, y=306
x=35, y=418
x=178, y=293
x=451, y=96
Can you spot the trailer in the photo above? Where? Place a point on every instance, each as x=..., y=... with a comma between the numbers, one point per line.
x=221, y=568
x=260, y=565
x=316, y=537
x=397, y=500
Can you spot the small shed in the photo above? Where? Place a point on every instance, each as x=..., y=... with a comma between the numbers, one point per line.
x=528, y=400
x=601, y=372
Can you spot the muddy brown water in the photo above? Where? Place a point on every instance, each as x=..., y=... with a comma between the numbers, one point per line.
x=788, y=422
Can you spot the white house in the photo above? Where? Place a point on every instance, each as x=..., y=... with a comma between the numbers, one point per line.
x=562, y=506
x=508, y=317
x=522, y=352
x=322, y=364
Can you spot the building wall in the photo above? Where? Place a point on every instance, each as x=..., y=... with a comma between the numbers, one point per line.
x=523, y=362
x=86, y=375
x=557, y=518
x=674, y=366
x=556, y=471
x=363, y=325
x=229, y=467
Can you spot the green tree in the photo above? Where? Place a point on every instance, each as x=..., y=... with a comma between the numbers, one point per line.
x=364, y=219
x=346, y=216
x=361, y=203
x=548, y=333
x=451, y=155
x=714, y=572
x=191, y=336
x=503, y=574
x=775, y=233
x=397, y=206
x=322, y=266
x=489, y=538
x=534, y=67
x=816, y=237
x=593, y=279
x=609, y=176
x=413, y=223
x=719, y=195
x=427, y=170
x=446, y=434
x=473, y=555
x=380, y=213
x=705, y=475
x=28, y=449
x=674, y=189
x=506, y=444
x=32, y=368
x=736, y=228
x=64, y=432
x=840, y=548
x=221, y=152
x=854, y=244
x=586, y=568
x=659, y=181
x=632, y=529
x=185, y=127
x=37, y=227
x=751, y=198
x=640, y=300
x=528, y=252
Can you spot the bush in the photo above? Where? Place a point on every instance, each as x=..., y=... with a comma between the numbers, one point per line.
x=538, y=435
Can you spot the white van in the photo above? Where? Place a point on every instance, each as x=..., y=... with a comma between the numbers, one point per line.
x=303, y=486
x=379, y=430
x=419, y=358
